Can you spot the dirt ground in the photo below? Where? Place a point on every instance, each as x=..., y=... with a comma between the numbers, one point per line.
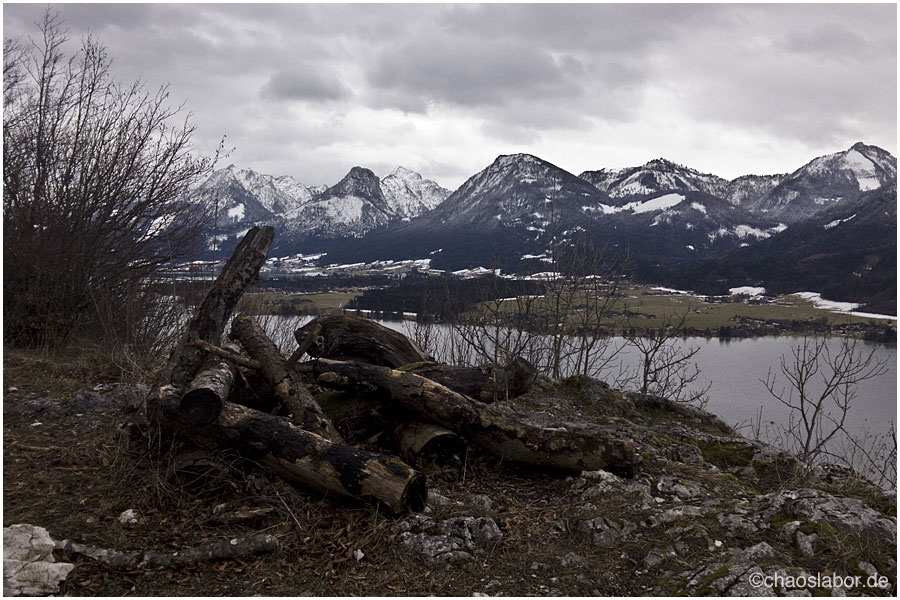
x=77, y=454
x=75, y=474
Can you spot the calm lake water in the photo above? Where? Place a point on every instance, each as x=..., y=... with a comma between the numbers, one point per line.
x=736, y=369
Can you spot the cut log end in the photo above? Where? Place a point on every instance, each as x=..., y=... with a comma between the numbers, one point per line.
x=200, y=407
x=424, y=443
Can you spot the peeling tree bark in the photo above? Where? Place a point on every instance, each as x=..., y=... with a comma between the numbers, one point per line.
x=285, y=381
x=203, y=401
x=567, y=448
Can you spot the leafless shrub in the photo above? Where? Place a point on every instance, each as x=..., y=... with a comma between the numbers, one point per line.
x=95, y=178
x=819, y=390
x=665, y=369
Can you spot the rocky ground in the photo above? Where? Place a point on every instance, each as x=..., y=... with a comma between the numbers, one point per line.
x=710, y=512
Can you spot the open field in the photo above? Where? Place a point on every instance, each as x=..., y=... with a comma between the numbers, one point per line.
x=654, y=306
x=639, y=307
x=645, y=308
x=283, y=303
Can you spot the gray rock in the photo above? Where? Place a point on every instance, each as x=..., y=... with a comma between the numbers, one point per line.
x=673, y=514
x=573, y=560
x=436, y=499
x=806, y=544
x=868, y=568
x=605, y=532
x=760, y=551
x=653, y=559
x=786, y=534
x=29, y=568
x=480, y=501
x=735, y=523
x=587, y=586
x=451, y=541
x=847, y=514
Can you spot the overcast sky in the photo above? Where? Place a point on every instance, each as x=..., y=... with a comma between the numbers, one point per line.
x=311, y=90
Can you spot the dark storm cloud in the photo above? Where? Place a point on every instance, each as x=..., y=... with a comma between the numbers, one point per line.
x=305, y=83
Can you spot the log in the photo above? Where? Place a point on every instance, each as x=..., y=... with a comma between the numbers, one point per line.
x=224, y=550
x=203, y=401
x=425, y=443
x=285, y=381
x=213, y=313
x=346, y=337
x=311, y=462
x=486, y=383
x=569, y=447
x=305, y=460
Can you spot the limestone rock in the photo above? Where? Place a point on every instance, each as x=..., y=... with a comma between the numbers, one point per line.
x=605, y=532
x=452, y=541
x=29, y=568
x=848, y=514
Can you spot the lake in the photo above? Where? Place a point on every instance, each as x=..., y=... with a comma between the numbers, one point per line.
x=736, y=368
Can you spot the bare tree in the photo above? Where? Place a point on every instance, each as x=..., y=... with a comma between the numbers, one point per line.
x=95, y=178
x=665, y=369
x=820, y=388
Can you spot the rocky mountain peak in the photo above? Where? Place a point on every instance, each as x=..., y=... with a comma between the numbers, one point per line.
x=360, y=182
x=408, y=194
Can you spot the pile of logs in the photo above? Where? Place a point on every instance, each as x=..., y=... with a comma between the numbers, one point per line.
x=241, y=393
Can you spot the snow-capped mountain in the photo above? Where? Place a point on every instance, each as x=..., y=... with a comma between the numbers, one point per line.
x=358, y=203
x=517, y=189
x=408, y=194
x=244, y=195
x=789, y=198
x=659, y=175
x=746, y=189
x=848, y=251
x=827, y=180
x=351, y=207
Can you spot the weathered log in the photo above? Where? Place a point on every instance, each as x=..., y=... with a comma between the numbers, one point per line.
x=424, y=443
x=486, y=383
x=224, y=550
x=210, y=318
x=311, y=462
x=285, y=381
x=568, y=447
x=346, y=337
x=304, y=459
x=203, y=401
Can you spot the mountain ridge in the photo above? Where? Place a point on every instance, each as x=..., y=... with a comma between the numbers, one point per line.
x=668, y=217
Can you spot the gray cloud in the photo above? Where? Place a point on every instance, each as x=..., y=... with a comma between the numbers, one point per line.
x=305, y=83
x=474, y=74
x=312, y=89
